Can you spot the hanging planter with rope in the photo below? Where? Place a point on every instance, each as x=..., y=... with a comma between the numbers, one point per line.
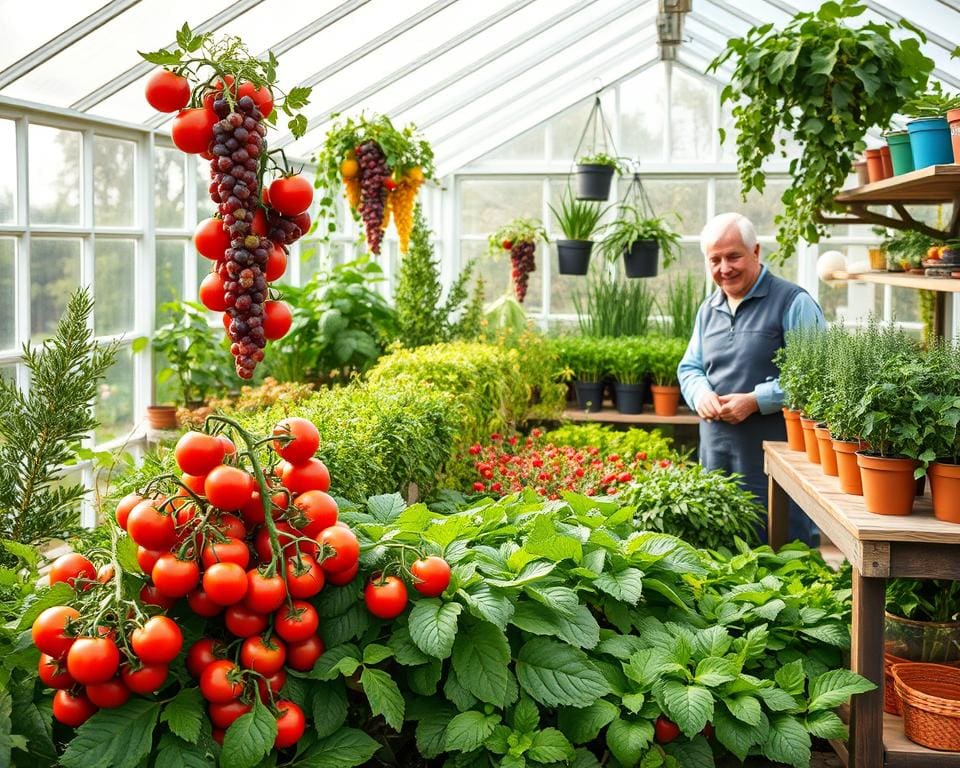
x=639, y=234
x=596, y=166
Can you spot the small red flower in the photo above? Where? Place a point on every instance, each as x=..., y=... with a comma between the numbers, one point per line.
x=478, y=486
x=512, y=439
x=642, y=455
x=536, y=432
x=496, y=487
x=664, y=462
x=496, y=436
x=624, y=477
x=475, y=449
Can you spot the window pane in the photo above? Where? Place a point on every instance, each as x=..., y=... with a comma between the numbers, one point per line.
x=169, y=167
x=569, y=128
x=114, y=404
x=527, y=146
x=685, y=197
x=54, y=276
x=114, y=192
x=8, y=172
x=642, y=107
x=760, y=209
x=8, y=256
x=9, y=372
x=55, y=162
x=169, y=286
x=486, y=205
x=114, y=286
x=495, y=272
x=691, y=117
x=205, y=206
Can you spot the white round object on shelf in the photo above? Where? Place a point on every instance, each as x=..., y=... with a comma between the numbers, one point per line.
x=830, y=262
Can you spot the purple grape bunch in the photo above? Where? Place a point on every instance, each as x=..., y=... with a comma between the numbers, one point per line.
x=522, y=264
x=374, y=173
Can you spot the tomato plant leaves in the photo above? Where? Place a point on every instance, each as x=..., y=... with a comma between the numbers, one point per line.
x=468, y=730
x=629, y=739
x=554, y=674
x=346, y=748
x=404, y=649
x=625, y=585
x=689, y=706
x=384, y=696
x=174, y=752
x=481, y=657
x=249, y=738
x=114, y=738
x=788, y=742
x=583, y=725
x=339, y=660
x=433, y=626
x=833, y=688
x=489, y=604
x=550, y=746
x=329, y=707
x=183, y=714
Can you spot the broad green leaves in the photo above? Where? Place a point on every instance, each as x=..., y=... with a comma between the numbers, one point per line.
x=115, y=738
x=833, y=688
x=346, y=748
x=689, y=706
x=184, y=713
x=481, y=658
x=384, y=696
x=557, y=674
x=468, y=730
x=249, y=738
x=433, y=626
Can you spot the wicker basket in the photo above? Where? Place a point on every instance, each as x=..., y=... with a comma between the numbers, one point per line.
x=891, y=702
x=930, y=703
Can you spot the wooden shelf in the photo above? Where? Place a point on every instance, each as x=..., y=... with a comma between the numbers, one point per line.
x=933, y=185
x=900, y=752
x=610, y=416
x=903, y=280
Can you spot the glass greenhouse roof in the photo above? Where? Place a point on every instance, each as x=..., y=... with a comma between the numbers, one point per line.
x=472, y=75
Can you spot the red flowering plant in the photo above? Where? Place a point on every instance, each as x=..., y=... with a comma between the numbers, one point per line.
x=512, y=463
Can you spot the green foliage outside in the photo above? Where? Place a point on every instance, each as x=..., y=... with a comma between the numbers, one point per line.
x=629, y=359
x=607, y=440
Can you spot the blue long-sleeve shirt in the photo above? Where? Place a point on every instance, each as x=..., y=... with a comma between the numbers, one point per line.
x=802, y=312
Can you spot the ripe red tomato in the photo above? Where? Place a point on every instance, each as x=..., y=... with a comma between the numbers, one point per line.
x=276, y=264
x=105, y=572
x=665, y=730
x=167, y=92
x=252, y=512
x=290, y=724
x=342, y=578
x=218, y=85
x=431, y=576
x=158, y=641
x=174, y=577
x=228, y=447
x=304, y=443
x=72, y=709
x=319, y=511
x=201, y=604
x=211, y=293
x=145, y=679
x=303, y=222
x=108, y=695
x=275, y=682
x=192, y=130
x=50, y=630
x=263, y=656
x=197, y=453
x=124, y=506
x=385, y=600
x=147, y=558
x=150, y=595
x=291, y=195
x=225, y=583
x=228, y=487
x=232, y=550
x=304, y=576
x=312, y=475
x=211, y=240
x=93, y=660
x=222, y=715
x=218, y=682
x=53, y=673
x=277, y=319
x=202, y=653
x=296, y=622
x=265, y=594
x=230, y=526
x=346, y=549
x=259, y=224
x=150, y=527
x=244, y=622
x=261, y=96
x=303, y=655
x=193, y=482
x=70, y=567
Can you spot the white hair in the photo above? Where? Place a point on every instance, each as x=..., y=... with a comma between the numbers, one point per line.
x=720, y=224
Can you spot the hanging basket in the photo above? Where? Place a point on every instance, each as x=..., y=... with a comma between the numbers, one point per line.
x=642, y=259
x=573, y=256
x=593, y=179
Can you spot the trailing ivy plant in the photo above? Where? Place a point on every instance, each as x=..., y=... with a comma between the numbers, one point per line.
x=827, y=82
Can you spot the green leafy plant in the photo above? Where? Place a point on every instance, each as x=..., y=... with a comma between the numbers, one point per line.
x=614, y=306
x=607, y=440
x=589, y=359
x=923, y=599
x=797, y=361
x=683, y=298
x=41, y=430
x=906, y=249
x=665, y=355
x=602, y=158
x=630, y=360
x=934, y=103
x=513, y=232
x=578, y=219
x=827, y=82
x=631, y=226
x=194, y=353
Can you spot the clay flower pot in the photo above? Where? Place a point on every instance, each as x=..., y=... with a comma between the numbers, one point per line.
x=794, y=430
x=810, y=444
x=945, y=490
x=828, y=459
x=889, y=487
x=666, y=399
x=847, y=469
x=162, y=417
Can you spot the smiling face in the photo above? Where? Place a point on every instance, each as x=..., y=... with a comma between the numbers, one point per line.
x=733, y=267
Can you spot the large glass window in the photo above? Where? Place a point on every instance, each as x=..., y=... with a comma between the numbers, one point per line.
x=8, y=172
x=114, y=286
x=8, y=272
x=114, y=402
x=169, y=169
x=114, y=182
x=169, y=285
x=54, y=276
x=691, y=117
x=56, y=160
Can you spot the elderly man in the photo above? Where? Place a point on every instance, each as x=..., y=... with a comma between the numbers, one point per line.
x=727, y=374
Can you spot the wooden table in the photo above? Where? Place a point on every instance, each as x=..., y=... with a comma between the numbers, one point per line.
x=878, y=548
x=609, y=415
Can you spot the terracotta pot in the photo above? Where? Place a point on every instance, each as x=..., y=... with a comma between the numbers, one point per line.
x=666, y=400
x=860, y=166
x=874, y=165
x=847, y=469
x=889, y=487
x=794, y=430
x=810, y=444
x=162, y=417
x=953, y=120
x=828, y=459
x=945, y=490
x=886, y=161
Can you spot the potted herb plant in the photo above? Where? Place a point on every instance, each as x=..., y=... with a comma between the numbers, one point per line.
x=799, y=374
x=594, y=175
x=639, y=239
x=921, y=620
x=578, y=221
x=941, y=428
x=630, y=363
x=665, y=356
x=586, y=359
x=929, y=129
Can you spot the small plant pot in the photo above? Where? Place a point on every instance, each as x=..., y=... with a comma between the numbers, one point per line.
x=630, y=397
x=847, y=469
x=900, y=153
x=936, y=642
x=573, y=256
x=593, y=181
x=945, y=490
x=794, y=430
x=889, y=487
x=810, y=444
x=860, y=166
x=666, y=399
x=878, y=259
x=828, y=459
x=953, y=120
x=162, y=417
x=930, y=142
x=642, y=259
x=874, y=165
x=590, y=395
x=886, y=162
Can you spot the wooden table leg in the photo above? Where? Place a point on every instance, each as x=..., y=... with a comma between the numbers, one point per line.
x=778, y=514
x=866, y=658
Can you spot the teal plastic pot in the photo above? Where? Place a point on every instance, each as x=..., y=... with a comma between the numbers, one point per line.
x=900, y=152
x=930, y=142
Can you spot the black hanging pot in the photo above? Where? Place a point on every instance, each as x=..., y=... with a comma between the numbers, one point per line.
x=574, y=256
x=593, y=181
x=630, y=397
x=642, y=258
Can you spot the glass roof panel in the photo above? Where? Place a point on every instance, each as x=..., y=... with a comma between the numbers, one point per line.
x=21, y=32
